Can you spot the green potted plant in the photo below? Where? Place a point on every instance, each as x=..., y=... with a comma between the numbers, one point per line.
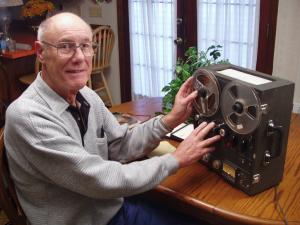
x=186, y=67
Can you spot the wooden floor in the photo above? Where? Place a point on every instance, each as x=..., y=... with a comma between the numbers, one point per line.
x=3, y=218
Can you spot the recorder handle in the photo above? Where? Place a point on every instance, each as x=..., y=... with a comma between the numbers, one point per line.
x=272, y=130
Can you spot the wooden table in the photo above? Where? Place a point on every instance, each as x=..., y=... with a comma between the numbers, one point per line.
x=201, y=193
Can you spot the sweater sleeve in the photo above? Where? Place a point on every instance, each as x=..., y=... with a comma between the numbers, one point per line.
x=137, y=142
x=127, y=144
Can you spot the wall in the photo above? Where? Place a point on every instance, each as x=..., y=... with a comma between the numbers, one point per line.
x=108, y=16
x=287, y=46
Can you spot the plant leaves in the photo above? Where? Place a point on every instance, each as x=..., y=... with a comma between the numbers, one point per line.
x=178, y=69
x=186, y=67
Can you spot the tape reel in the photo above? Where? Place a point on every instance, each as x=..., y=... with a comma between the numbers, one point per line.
x=241, y=108
x=207, y=102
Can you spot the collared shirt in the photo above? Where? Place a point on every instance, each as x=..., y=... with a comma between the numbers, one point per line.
x=80, y=114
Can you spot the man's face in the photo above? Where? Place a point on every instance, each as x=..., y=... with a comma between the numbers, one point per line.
x=66, y=73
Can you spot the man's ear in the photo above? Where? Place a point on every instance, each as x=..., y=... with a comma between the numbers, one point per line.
x=40, y=52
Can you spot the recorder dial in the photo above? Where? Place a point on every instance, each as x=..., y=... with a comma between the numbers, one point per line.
x=207, y=101
x=240, y=107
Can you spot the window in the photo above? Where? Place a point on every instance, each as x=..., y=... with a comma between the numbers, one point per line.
x=152, y=52
x=232, y=24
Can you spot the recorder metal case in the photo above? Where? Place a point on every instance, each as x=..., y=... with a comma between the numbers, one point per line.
x=252, y=112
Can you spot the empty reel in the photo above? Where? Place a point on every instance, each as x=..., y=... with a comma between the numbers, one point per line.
x=207, y=101
x=240, y=107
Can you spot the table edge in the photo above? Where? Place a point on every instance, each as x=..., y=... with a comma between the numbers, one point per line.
x=216, y=211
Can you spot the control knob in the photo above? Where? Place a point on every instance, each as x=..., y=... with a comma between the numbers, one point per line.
x=206, y=157
x=217, y=164
x=220, y=129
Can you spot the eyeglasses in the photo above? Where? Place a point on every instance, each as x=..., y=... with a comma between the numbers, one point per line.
x=67, y=49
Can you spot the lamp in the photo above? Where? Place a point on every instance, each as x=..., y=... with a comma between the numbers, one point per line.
x=5, y=18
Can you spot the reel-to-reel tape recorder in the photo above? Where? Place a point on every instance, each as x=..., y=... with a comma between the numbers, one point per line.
x=252, y=113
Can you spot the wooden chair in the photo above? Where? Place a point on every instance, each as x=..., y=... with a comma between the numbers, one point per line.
x=29, y=78
x=104, y=37
x=8, y=197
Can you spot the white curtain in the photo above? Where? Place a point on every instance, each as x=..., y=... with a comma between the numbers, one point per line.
x=232, y=24
x=152, y=25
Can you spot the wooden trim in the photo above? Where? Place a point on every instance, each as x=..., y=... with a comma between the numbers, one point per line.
x=180, y=28
x=267, y=34
x=124, y=50
x=188, y=29
x=190, y=24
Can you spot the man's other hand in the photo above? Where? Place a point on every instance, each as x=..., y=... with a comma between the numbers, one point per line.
x=195, y=145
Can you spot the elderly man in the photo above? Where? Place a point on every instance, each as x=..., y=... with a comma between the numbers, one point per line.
x=67, y=153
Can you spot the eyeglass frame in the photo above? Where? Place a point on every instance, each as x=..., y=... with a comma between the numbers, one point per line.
x=93, y=45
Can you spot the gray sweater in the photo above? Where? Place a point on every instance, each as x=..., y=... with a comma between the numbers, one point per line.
x=59, y=181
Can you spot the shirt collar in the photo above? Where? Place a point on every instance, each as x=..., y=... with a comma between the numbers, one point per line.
x=55, y=101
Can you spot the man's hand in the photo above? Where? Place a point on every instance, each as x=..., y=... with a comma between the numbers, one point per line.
x=195, y=145
x=183, y=105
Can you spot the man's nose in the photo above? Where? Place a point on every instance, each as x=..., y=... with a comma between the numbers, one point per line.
x=78, y=53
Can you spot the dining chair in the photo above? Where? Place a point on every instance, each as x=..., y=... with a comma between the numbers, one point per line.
x=104, y=37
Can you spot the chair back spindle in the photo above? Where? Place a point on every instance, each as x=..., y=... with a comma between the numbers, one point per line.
x=104, y=37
